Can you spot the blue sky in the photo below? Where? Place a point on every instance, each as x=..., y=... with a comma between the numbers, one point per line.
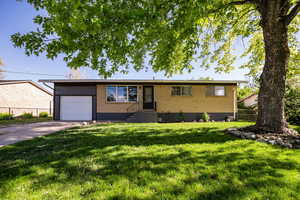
x=17, y=16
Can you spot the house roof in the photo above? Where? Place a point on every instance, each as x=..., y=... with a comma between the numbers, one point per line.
x=247, y=97
x=143, y=81
x=9, y=82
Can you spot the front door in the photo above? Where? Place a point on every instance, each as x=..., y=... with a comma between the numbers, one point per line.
x=148, y=97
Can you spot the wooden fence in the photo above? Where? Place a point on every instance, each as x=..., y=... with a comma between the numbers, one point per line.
x=246, y=114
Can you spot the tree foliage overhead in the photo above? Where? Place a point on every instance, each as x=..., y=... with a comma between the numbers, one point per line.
x=112, y=35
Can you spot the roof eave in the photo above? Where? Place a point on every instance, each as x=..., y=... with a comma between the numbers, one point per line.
x=138, y=81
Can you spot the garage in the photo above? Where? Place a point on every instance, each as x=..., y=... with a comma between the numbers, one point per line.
x=76, y=108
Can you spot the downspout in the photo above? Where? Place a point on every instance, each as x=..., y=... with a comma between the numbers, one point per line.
x=234, y=102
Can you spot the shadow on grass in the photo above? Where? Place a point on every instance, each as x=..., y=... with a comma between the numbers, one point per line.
x=147, y=158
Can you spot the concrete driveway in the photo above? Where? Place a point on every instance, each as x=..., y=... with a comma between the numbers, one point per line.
x=16, y=133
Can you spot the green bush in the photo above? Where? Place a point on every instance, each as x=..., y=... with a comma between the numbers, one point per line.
x=241, y=105
x=26, y=115
x=181, y=117
x=5, y=116
x=292, y=105
x=43, y=114
x=205, y=117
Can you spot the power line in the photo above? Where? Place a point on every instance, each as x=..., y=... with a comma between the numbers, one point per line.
x=31, y=73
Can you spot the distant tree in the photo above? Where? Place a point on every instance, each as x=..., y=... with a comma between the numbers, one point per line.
x=75, y=74
x=243, y=92
x=111, y=36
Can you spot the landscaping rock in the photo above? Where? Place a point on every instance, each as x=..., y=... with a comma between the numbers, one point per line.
x=260, y=140
x=232, y=129
x=272, y=142
x=247, y=135
x=287, y=145
x=84, y=123
x=290, y=139
x=253, y=137
x=236, y=133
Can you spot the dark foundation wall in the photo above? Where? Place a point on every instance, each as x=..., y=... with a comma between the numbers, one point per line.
x=113, y=116
x=166, y=117
x=74, y=90
x=189, y=117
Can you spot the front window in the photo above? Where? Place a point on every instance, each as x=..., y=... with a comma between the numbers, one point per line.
x=181, y=91
x=215, y=91
x=219, y=91
x=121, y=93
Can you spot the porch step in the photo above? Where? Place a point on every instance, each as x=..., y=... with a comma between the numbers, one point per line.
x=140, y=117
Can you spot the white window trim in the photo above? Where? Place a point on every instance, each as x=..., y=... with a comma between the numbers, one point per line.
x=181, y=91
x=127, y=96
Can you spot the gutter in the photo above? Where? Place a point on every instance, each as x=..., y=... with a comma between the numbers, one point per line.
x=48, y=86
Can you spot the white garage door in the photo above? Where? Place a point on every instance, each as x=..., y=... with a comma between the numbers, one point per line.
x=75, y=108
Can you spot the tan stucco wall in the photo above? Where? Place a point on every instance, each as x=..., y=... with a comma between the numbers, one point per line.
x=198, y=102
x=23, y=95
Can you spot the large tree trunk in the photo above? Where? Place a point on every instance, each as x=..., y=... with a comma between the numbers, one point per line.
x=273, y=79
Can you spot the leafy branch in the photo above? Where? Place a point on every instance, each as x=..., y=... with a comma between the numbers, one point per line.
x=293, y=13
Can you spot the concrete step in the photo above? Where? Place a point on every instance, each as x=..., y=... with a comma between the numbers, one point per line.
x=139, y=117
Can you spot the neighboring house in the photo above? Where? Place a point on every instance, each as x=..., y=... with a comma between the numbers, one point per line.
x=143, y=100
x=19, y=96
x=249, y=101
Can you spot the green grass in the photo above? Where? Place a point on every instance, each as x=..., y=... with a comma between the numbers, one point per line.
x=148, y=161
x=19, y=120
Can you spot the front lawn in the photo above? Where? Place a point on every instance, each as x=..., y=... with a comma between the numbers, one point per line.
x=15, y=121
x=148, y=161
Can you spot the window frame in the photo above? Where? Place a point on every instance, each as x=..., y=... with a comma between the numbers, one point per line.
x=213, y=89
x=181, y=91
x=116, y=92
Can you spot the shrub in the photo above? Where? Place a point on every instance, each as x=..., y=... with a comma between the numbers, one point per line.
x=241, y=105
x=292, y=105
x=26, y=115
x=5, y=116
x=181, y=117
x=205, y=117
x=43, y=114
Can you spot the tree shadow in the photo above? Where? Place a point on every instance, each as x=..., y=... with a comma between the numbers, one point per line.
x=146, y=158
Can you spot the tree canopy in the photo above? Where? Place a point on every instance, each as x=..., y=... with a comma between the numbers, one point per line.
x=111, y=36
